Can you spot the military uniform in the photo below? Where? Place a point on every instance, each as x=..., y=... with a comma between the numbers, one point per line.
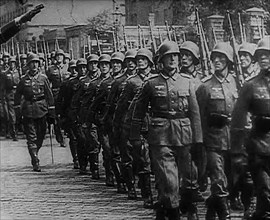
x=254, y=98
x=174, y=125
x=3, y=102
x=57, y=74
x=38, y=101
x=216, y=99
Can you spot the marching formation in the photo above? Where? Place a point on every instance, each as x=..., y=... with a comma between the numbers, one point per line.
x=154, y=112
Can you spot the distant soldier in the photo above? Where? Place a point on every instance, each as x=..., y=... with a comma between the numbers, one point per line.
x=57, y=74
x=134, y=157
x=67, y=58
x=216, y=98
x=174, y=125
x=42, y=63
x=23, y=59
x=66, y=92
x=3, y=102
x=37, y=103
x=11, y=80
x=254, y=98
x=1, y=59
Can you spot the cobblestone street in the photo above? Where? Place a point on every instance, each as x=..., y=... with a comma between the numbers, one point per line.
x=58, y=192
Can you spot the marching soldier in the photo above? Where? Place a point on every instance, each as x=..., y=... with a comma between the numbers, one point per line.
x=254, y=99
x=42, y=63
x=174, y=125
x=66, y=92
x=137, y=155
x=37, y=103
x=57, y=74
x=241, y=192
x=67, y=58
x=216, y=98
x=11, y=80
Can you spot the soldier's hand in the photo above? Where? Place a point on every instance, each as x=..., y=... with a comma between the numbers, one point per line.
x=50, y=120
x=30, y=14
x=239, y=162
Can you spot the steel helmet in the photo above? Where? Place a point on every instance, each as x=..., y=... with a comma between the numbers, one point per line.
x=118, y=56
x=72, y=63
x=223, y=48
x=193, y=48
x=263, y=44
x=12, y=59
x=247, y=47
x=60, y=52
x=23, y=56
x=146, y=53
x=168, y=47
x=6, y=54
x=32, y=57
x=92, y=58
x=104, y=58
x=67, y=56
x=81, y=61
x=131, y=54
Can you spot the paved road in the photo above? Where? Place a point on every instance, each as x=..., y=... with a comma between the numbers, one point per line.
x=58, y=192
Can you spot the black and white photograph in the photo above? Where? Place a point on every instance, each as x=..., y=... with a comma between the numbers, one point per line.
x=134, y=110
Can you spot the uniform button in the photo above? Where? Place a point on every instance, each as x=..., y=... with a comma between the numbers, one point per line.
x=172, y=101
x=229, y=105
x=173, y=93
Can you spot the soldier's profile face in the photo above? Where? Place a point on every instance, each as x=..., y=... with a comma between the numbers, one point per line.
x=264, y=59
x=93, y=66
x=23, y=61
x=5, y=59
x=116, y=66
x=220, y=61
x=245, y=59
x=12, y=64
x=82, y=69
x=170, y=61
x=131, y=64
x=142, y=62
x=104, y=67
x=186, y=58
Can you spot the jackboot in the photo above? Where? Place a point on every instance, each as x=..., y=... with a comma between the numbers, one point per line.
x=130, y=182
x=211, y=209
x=93, y=160
x=146, y=190
x=73, y=150
x=34, y=159
x=222, y=208
x=13, y=132
x=173, y=214
x=118, y=177
x=108, y=173
x=160, y=212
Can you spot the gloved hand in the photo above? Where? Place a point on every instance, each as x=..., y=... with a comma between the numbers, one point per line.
x=50, y=120
x=30, y=14
x=51, y=116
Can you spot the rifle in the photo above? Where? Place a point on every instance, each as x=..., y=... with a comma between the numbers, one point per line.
x=143, y=39
x=139, y=37
x=84, y=48
x=214, y=35
x=154, y=45
x=159, y=35
x=244, y=32
x=19, y=61
x=259, y=26
x=45, y=53
x=205, y=66
x=114, y=41
x=238, y=68
x=56, y=45
x=241, y=28
x=262, y=25
x=168, y=31
x=12, y=47
x=125, y=38
x=174, y=34
x=98, y=45
x=71, y=49
x=89, y=44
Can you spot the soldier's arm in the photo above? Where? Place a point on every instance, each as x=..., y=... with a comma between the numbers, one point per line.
x=239, y=119
x=202, y=97
x=48, y=95
x=18, y=95
x=111, y=99
x=141, y=102
x=194, y=113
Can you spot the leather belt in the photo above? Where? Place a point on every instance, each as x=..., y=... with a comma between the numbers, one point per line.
x=168, y=114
